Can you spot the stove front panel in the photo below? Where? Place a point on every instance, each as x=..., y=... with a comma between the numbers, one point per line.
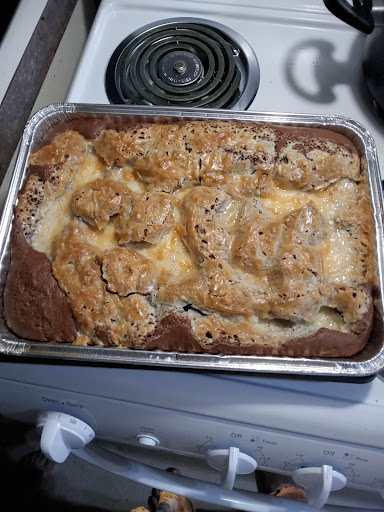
x=191, y=434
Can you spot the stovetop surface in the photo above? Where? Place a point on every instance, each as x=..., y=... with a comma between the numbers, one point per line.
x=310, y=62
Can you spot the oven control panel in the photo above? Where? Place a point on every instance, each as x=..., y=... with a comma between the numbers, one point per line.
x=285, y=452
x=191, y=434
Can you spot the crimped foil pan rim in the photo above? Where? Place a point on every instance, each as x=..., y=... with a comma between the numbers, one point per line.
x=12, y=345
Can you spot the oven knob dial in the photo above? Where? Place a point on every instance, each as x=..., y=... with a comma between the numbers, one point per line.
x=230, y=462
x=318, y=482
x=61, y=433
x=147, y=440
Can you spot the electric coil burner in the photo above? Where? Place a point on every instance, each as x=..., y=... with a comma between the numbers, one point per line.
x=185, y=62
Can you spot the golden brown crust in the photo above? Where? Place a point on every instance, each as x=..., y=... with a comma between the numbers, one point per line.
x=150, y=217
x=167, y=169
x=78, y=268
x=51, y=169
x=216, y=286
x=230, y=237
x=203, y=217
x=100, y=200
x=296, y=274
x=118, y=148
x=126, y=271
x=257, y=237
x=311, y=160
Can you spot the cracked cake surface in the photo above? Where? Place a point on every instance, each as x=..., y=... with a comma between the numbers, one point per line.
x=196, y=236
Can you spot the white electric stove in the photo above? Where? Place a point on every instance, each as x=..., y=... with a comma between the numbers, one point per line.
x=287, y=56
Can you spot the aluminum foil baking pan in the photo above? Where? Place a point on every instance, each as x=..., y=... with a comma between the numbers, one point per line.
x=368, y=362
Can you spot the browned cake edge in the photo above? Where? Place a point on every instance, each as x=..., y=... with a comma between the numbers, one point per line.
x=175, y=334
x=34, y=305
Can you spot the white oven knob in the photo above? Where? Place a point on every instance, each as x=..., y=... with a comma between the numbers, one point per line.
x=318, y=482
x=62, y=433
x=230, y=462
x=147, y=440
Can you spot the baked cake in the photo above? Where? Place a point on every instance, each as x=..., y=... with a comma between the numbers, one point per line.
x=199, y=236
